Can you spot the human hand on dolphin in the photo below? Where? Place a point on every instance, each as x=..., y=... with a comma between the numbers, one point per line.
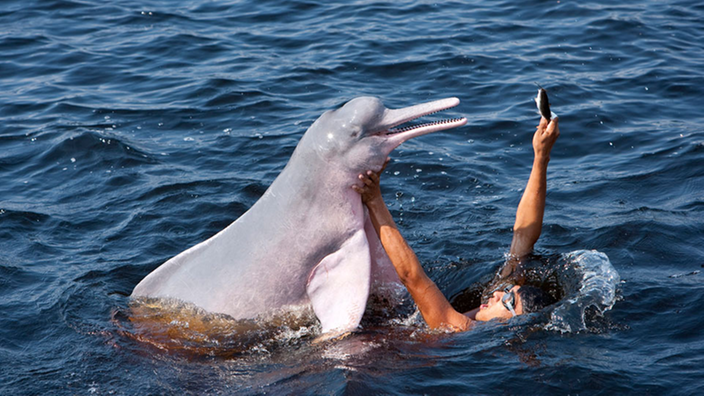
x=370, y=188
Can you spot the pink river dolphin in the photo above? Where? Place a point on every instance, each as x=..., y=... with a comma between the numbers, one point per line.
x=308, y=240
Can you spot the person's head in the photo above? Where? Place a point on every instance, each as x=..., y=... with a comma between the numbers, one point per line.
x=533, y=299
x=509, y=301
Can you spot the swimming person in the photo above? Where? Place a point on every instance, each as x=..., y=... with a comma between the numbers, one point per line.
x=506, y=302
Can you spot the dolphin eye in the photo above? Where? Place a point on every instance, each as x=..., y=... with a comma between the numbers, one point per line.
x=355, y=132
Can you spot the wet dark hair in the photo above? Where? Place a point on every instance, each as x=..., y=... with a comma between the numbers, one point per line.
x=534, y=299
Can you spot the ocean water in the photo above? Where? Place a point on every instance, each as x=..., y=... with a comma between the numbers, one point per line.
x=130, y=131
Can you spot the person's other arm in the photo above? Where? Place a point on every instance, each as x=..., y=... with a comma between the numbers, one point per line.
x=436, y=310
x=529, y=215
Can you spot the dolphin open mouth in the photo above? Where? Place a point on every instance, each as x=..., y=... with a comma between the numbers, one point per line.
x=430, y=126
x=393, y=120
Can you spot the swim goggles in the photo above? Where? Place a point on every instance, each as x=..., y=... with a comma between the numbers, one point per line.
x=509, y=298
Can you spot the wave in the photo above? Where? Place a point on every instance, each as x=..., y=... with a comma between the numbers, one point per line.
x=184, y=328
x=590, y=282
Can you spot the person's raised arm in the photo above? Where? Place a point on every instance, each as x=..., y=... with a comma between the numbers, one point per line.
x=436, y=310
x=529, y=216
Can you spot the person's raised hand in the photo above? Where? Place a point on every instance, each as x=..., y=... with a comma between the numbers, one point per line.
x=545, y=137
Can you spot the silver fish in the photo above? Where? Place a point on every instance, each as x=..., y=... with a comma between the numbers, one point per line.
x=543, y=104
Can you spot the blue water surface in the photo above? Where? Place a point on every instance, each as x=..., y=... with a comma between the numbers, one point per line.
x=130, y=131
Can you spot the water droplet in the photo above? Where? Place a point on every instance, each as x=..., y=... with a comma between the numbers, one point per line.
x=73, y=160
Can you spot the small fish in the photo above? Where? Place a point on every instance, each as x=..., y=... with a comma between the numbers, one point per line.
x=543, y=104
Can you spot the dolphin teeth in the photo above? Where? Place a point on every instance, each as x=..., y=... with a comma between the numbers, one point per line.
x=392, y=131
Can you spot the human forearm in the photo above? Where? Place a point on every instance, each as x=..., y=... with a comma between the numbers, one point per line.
x=402, y=256
x=436, y=310
x=434, y=307
x=529, y=215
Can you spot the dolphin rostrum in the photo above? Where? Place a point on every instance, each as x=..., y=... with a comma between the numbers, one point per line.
x=308, y=239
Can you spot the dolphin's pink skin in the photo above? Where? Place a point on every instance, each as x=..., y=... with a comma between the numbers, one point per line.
x=308, y=239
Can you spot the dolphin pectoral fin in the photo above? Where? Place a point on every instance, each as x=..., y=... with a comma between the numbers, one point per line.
x=338, y=286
